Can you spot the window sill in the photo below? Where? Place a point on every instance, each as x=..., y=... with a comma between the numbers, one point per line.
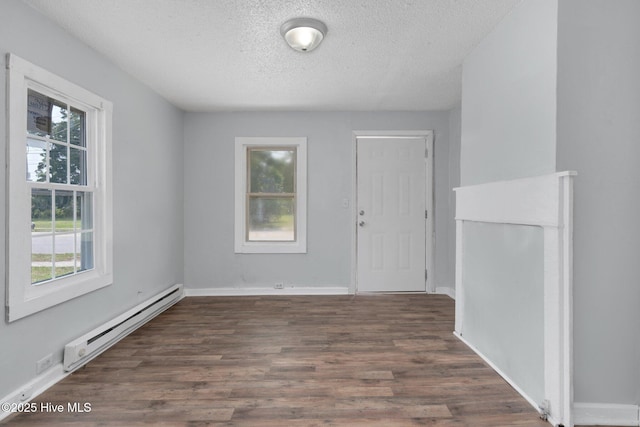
x=271, y=248
x=35, y=298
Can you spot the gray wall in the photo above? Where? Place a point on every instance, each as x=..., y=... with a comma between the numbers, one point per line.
x=147, y=182
x=455, y=139
x=508, y=132
x=509, y=98
x=210, y=261
x=504, y=278
x=599, y=136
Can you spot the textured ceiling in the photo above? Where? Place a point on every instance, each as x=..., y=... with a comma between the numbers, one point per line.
x=228, y=55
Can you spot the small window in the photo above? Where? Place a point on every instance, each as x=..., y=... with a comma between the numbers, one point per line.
x=59, y=224
x=270, y=195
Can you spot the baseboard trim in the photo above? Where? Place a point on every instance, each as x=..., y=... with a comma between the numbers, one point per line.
x=297, y=290
x=446, y=290
x=606, y=414
x=33, y=388
x=503, y=375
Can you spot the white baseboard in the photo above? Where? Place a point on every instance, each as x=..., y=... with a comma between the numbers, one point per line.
x=450, y=291
x=33, y=388
x=296, y=290
x=606, y=414
x=502, y=374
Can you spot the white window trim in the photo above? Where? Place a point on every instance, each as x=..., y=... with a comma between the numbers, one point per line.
x=247, y=247
x=23, y=298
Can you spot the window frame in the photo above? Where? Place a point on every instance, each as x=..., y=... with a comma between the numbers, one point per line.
x=242, y=146
x=23, y=297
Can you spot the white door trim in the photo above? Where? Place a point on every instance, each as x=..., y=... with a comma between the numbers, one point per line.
x=429, y=201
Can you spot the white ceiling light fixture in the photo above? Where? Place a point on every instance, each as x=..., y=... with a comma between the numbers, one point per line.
x=303, y=34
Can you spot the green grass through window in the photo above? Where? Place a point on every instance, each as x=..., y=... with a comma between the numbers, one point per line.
x=47, y=257
x=41, y=274
x=62, y=224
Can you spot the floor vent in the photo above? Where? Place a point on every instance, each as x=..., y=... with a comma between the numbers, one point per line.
x=80, y=351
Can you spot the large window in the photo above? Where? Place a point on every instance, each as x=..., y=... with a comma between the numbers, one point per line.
x=270, y=195
x=59, y=225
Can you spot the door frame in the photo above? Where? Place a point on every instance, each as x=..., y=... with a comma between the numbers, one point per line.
x=430, y=233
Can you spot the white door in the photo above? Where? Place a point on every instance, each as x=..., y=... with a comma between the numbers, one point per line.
x=391, y=191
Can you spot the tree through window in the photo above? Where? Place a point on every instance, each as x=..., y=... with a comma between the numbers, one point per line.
x=61, y=201
x=271, y=195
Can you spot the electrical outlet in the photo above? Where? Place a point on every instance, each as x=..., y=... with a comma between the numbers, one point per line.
x=44, y=363
x=278, y=285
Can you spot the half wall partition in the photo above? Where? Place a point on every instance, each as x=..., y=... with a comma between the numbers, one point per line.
x=514, y=284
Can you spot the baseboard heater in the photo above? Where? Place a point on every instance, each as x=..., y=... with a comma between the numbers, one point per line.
x=81, y=350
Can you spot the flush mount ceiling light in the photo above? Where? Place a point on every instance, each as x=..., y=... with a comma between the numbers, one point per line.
x=303, y=34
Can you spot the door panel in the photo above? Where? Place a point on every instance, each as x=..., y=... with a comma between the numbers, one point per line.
x=391, y=185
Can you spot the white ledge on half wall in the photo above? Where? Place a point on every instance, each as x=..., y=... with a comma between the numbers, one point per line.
x=545, y=201
x=524, y=201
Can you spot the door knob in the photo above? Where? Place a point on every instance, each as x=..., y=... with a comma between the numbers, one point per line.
x=361, y=213
x=361, y=223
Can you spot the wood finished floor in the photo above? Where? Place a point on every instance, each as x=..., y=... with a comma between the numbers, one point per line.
x=384, y=360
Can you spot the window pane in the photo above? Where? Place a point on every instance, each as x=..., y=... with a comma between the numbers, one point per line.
x=78, y=127
x=41, y=258
x=40, y=211
x=36, y=160
x=84, y=210
x=64, y=257
x=271, y=219
x=46, y=116
x=64, y=212
x=58, y=163
x=59, y=115
x=84, y=245
x=272, y=171
x=38, y=114
x=78, y=167
x=64, y=248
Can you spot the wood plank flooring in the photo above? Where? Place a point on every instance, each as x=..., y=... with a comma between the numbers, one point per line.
x=366, y=360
